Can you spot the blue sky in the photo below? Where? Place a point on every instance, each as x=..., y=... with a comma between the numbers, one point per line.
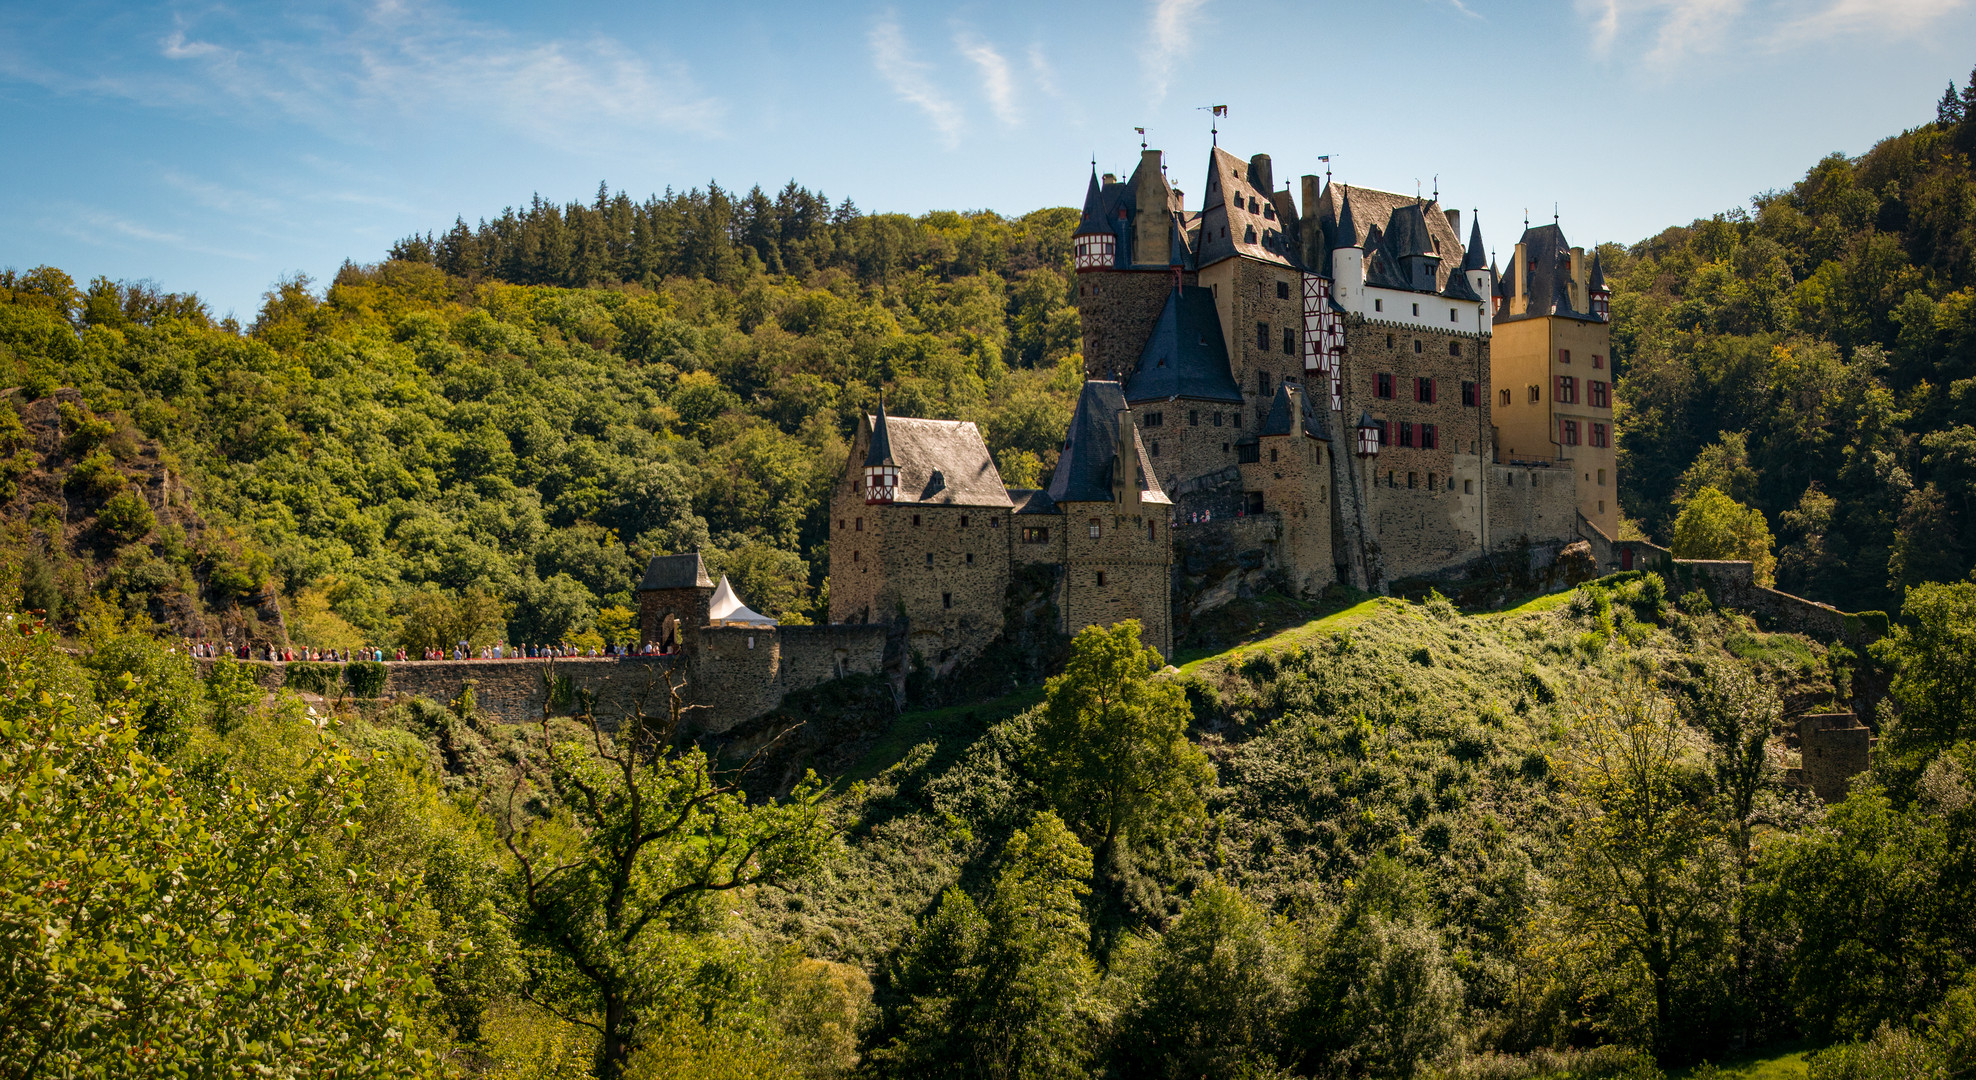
x=214, y=147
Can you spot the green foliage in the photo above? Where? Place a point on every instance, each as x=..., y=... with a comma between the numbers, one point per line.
x=1001, y=989
x=432, y=619
x=1209, y=996
x=1714, y=526
x=234, y=694
x=158, y=685
x=1111, y=753
x=313, y=677
x=95, y=477
x=155, y=926
x=1933, y=653
x=125, y=517
x=616, y=886
x=365, y=678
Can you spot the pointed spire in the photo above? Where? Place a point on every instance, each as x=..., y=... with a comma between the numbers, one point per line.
x=1347, y=228
x=1093, y=220
x=881, y=443
x=1472, y=258
x=1598, y=274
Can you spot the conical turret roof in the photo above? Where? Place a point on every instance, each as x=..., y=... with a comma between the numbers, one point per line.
x=881, y=443
x=1598, y=283
x=1472, y=258
x=1093, y=221
x=726, y=607
x=1347, y=228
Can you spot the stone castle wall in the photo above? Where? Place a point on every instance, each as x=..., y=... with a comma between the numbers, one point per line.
x=1531, y=502
x=1136, y=565
x=1294, y=477
x=1117, y=309
x=1832, y=749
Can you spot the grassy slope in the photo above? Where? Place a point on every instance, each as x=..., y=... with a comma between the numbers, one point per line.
x=1387, y=726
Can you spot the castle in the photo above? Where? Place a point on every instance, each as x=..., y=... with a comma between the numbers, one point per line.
x=1343, y=392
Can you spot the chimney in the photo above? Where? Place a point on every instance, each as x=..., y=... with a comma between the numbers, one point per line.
x=1579, y=301
x=1454, y=221
x=1152, y=229
x=1519, y=297
x=1110, y=179
x=1260, y=174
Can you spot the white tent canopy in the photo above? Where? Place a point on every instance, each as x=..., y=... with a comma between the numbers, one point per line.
x=727, y=608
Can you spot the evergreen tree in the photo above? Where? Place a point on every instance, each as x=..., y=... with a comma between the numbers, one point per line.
x=1948, y=111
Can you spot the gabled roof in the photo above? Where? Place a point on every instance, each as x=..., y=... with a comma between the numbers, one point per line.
x=675, y=572
x=1186, y=355
x=1085, y=468
x=1229, y=228
x=1290, y=413
x=1547, y=277
x=728, y=608
x=943, y=462
x=1406, y=233
x=1372, y=209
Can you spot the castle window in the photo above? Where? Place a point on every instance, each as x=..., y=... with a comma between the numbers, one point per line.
x=1380, y=305
x=1035, y=535
x=1601, y=506
x=1430, y=436
x=1567, y=390
x=1269, y=214
x=1599, y=439
x=1097, y=528
x=1601, y=477
x=1385, y=384
x=963, y=521
x=915, y=519
x=1156, y=448
x=1194, y=417
x=1433, y=482
x=1467, y=487
x=1217, y=419
x=1283, y=290
x=1416, y=344
x=1390, y=482
x=1536, y=393
x=1152, y=531
x=1598, y=361
x=1416, y=311
x=1413, y=480
x=1469, y=393
x=1381, y=426
x=970, y=558
x=1598, y=393
x=1252, y=502
x=856, y=557
x=1505, y=396
x=1262, y=335
x=1289, y=342
x=1235, y=418
x=946, y=599
x=859, y=525
x=994, y=523
x=1406, y=434
x=1389, y=341
x=1272, y=455
x=751, y=641
x=929, y=558
x=1248, y=453
x=1454, y=315
x=1423, y=389
x=1262, y=381
x=841, y=523
x=1101, y=579
x=1153, y=419
x=1564, y=356
x=1567, y=432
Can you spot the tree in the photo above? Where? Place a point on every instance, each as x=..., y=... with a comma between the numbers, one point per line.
x=156, y=923
x=1111, y=753
x=436, y=620
x=1933, y=653
x=1000, y=990
x=643, y=836
x=1644, y=885
x=1210, y=995
x=1712, y=525
x=1948, y=111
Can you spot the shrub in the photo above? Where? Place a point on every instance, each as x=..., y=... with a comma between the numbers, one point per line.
x=126, y=517
x=313, y=677
x=365, y=678
x=95, y=476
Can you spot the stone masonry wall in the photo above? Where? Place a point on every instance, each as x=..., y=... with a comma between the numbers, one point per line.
x=1118, y=309
x=1295, y=481
x=1137, y=567
x=1531, y=502
x=1192, y=439
x=1832, y=749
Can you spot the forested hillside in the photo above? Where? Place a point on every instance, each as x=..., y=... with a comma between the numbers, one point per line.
x=1815, y=357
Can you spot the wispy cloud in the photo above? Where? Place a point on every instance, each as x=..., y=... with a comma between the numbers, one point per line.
x=102, y=228
x=910, y=79
x=997, y=81
x=1663, y=33
x=1465, y=9
x=352, y=72
x=1173, y=21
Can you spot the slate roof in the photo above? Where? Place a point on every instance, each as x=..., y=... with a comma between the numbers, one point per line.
x=1376, y=219
x=1186, y=355
x=1597, y=284
x=1084, y=470
x=1033, y=501
x=1547, y=277
x=1228, y=227
x=1290, y=413
x=676, y=572
x=881, y=443
x=1473, y=259
x=942, y=462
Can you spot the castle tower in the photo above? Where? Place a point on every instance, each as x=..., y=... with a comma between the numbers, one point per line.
x=673, y=600
x=1291, y=478
x=1552, y=369
x=1128, y=250
x=1117, y=547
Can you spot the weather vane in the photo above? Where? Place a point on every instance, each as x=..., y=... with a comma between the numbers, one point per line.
x=1142, y=137
x=1214, y=132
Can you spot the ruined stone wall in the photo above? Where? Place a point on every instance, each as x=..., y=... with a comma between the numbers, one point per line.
x=1117, y=309
x=1125, y=572
x=1531, y=502
x=1832, y=749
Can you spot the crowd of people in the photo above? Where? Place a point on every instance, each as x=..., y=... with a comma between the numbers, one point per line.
x=460, y=651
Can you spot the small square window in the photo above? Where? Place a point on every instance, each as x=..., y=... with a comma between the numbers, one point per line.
x=915, y=519
x=1283, y=290
x=1416, y=311
x=1454, y=315
x=970, y=558
x=1564, y=356
x=929, y=558
x=1378, y=305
